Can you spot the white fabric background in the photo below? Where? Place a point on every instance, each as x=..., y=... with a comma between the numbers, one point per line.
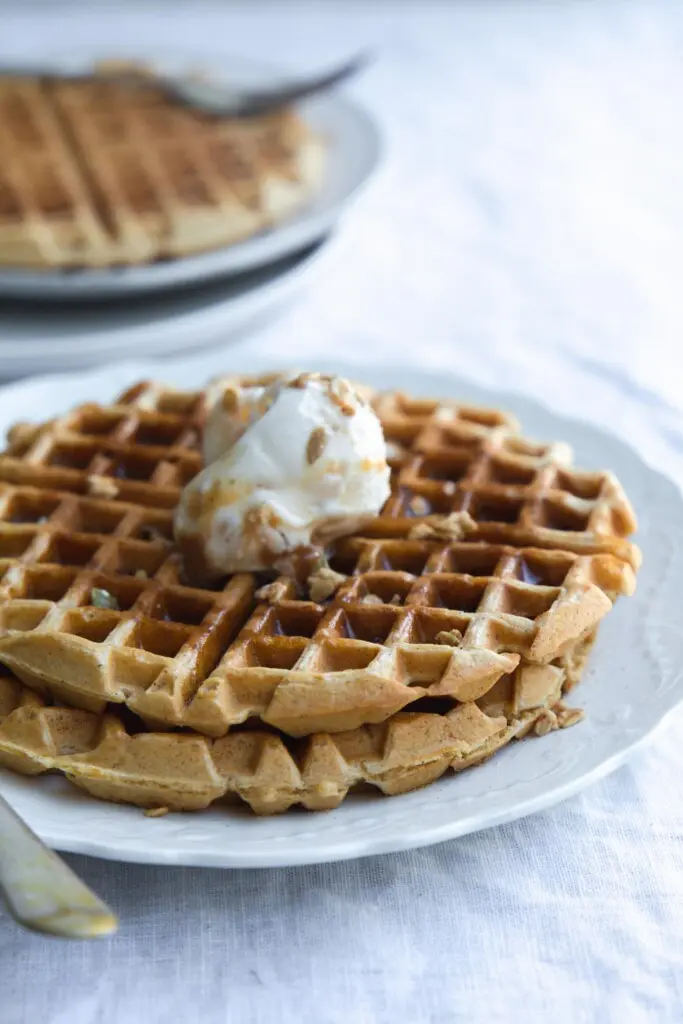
x=527, y=231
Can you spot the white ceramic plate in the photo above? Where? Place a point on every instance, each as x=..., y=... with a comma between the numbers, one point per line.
x=38, y=338
x=353, y=152
x=634, y=681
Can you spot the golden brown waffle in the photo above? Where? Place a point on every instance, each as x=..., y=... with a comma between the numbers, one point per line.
x=448, y=458
x=185, y=771
x=96, y=173
x=86, y=505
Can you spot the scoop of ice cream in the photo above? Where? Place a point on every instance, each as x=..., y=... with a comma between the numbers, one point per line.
x=233, y=405
x=291, y=465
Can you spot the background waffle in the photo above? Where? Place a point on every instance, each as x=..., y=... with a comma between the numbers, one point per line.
x=96, y=173
x=113, y=759
x=86, y=502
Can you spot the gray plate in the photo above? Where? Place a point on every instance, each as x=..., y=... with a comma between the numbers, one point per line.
x=35, y=338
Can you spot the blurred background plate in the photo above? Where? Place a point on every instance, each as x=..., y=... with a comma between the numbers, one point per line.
x=353, y=153
x=62, y=335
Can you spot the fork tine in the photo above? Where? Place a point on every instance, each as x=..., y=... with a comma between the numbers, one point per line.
x=259, y=102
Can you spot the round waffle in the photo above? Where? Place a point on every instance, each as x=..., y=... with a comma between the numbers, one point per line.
x=460, y=617
x=97, y=173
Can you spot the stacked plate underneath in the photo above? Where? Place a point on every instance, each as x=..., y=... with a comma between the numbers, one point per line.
x=201, y=225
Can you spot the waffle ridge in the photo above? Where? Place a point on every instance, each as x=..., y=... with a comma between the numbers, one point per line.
x=86, y=504
x=104, y=174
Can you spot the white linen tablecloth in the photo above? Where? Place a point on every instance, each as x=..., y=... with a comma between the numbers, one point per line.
x=526, y=231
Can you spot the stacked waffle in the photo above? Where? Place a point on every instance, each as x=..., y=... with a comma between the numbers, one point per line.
x=96, y=173
x=457, y=621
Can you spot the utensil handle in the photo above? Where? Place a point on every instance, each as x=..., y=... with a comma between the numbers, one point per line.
x=41, y=892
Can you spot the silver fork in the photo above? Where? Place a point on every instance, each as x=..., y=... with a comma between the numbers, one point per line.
x=203, y=94
x=41, y=892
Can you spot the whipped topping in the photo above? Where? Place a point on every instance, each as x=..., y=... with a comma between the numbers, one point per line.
x=232, y=408
x=292, y=463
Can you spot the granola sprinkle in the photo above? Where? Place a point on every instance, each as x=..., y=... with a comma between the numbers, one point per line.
x=317, y=443
x=343, y=396
x=102, y=486
x=270, y=592
x=453, y=527
x=546, y=722
x=156, y=812
x=302, y=379
x=324, y=582
x=451, y=637
x=567, y=717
